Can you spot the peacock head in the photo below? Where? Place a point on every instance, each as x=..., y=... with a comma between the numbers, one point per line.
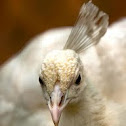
x=61, y=79
x=62, y=76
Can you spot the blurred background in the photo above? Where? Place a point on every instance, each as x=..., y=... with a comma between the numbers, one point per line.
x=20, y=20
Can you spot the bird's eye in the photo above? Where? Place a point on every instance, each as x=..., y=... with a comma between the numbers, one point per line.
x=41, y=81
x=78, y=80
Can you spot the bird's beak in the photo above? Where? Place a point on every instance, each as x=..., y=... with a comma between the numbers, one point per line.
x=56, y=104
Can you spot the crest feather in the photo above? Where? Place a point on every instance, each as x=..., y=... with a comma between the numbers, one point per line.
x=90, y=27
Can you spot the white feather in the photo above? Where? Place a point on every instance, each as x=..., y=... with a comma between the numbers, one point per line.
x=91, y=26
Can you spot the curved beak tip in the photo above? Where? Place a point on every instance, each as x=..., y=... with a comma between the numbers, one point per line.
x=56, y=124
x=56, y=113
x=56, y=104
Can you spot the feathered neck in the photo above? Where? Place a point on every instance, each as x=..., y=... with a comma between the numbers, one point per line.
x=90, y=110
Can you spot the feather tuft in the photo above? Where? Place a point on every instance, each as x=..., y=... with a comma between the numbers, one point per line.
x=90, y=27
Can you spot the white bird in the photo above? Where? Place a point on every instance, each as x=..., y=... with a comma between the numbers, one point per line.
x=68, y=76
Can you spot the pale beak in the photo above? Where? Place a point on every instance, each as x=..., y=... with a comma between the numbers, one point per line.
x=56, y=104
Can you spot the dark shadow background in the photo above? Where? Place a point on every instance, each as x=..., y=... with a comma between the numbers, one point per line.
x=22, y=19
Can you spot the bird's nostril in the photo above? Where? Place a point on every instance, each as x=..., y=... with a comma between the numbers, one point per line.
x=62, y=100
x=51, y=103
